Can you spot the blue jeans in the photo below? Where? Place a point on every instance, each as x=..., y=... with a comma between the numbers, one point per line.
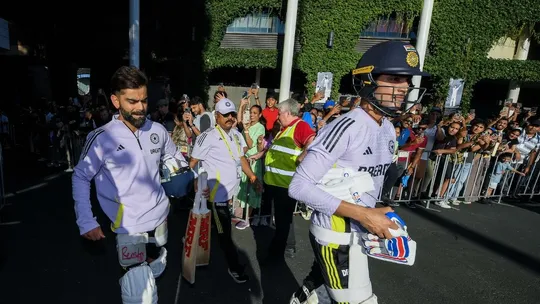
x=461, y=178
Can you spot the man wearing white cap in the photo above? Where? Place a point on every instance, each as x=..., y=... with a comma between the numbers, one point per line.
x=221, y=153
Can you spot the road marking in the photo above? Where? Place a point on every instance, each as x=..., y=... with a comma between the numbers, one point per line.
x=37, y=186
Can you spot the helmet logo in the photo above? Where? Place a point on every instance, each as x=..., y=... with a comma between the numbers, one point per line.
x=412, y=59
x=363, y=70
x=409, y=48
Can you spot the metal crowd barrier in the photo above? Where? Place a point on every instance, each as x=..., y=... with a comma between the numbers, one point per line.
x=468, y=181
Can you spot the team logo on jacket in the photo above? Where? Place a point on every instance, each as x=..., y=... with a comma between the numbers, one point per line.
x=154, y=138
x=391, y=147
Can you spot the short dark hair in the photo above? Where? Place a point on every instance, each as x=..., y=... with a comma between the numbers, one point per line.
x=272, y=95
x=197, y=100
x=479, y=121
x=127, y=77
x=505, y=155
x=220, y=92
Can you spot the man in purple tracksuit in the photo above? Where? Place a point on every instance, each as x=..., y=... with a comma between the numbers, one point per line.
x=123, y=157
x=361, y=140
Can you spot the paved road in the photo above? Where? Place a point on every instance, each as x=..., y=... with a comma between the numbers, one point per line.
x=480, y=254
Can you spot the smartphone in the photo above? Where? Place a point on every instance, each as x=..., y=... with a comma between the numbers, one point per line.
x=519, y=105
x=244, y=95
x=254, y=86
x=534, y=109
x=472, y=111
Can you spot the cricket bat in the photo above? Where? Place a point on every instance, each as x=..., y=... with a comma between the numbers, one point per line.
x=189, y=254
x=203, y=250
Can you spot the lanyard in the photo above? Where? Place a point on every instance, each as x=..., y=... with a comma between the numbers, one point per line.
x=227, y=143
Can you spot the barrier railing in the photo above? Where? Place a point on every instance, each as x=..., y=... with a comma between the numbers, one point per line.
x=470, y=179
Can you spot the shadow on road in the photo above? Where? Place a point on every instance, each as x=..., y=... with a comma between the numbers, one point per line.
x=525, y=260
x=277, y=280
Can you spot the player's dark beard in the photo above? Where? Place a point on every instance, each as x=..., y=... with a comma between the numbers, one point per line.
x=136, y=122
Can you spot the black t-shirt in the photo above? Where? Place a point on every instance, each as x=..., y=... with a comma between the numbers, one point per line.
x=448, y=142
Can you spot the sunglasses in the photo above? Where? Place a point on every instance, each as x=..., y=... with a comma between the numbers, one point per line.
x=421, y=128
x=231, y=114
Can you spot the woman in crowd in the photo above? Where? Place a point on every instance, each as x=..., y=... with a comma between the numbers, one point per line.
x=253, y=131
x=181, y=134
x=445, y=168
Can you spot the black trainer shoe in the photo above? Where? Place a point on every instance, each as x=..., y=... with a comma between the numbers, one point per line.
x=389, y=202
x=238, y=277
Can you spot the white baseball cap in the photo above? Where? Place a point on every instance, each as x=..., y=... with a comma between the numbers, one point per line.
x=225, y=106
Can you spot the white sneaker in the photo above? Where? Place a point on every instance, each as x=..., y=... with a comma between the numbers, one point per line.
x=467, y=203
x=256, y=221
x=455, y=202
x=443, y=204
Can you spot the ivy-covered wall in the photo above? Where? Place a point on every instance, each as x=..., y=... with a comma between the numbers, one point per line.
x=221, y=13
x=462, y=32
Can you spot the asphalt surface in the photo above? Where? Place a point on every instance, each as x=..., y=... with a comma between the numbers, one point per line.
x=479, y=254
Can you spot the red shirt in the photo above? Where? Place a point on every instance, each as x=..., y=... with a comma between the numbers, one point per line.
x=271, y=115
x=412, y=148
x=302, y=134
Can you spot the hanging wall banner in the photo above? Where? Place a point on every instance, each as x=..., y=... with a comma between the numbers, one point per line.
x=324, y=84
x=455, y=91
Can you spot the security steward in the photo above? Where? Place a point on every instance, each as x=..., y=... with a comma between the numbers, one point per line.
x=285, y=153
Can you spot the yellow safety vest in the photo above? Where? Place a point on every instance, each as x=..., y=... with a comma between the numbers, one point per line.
x=280, y=161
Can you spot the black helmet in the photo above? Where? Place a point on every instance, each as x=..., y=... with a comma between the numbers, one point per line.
x=389, y=58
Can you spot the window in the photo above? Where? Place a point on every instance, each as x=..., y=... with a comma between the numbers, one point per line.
x=259, y=23
x=83, y=81
x=389, y=27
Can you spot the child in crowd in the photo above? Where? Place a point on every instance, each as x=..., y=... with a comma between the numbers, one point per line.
x=502, y=166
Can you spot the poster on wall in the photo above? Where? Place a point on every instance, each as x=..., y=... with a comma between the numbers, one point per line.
x=324, y=84
x=455, y=92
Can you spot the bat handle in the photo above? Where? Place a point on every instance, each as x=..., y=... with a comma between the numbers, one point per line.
x=203, y=180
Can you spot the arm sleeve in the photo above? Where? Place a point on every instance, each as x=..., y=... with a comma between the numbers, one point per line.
x=303, y=133
x=205, y=123
x=328, y=147
x=88, y=166
x=202, y=146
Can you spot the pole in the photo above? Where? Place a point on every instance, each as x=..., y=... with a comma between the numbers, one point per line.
x=288, y=50
x=421, y=47
x=134, y=10
x=522, y=52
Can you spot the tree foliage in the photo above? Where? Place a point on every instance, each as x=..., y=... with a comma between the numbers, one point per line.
x=462, y=32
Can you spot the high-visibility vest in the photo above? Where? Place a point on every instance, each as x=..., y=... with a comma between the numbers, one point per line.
x=280, y=161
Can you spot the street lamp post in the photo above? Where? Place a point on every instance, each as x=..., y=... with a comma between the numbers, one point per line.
x=288, y=50
x=134, y=11
x=421, y=46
